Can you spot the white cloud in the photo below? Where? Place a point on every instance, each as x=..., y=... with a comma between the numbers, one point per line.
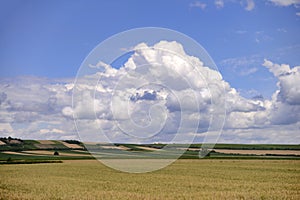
x=249, y=71
x=159, y=91
x=236, y=103
x=32, y=104
x=248, y=5
x=155, y=87
x=198, y=4
x=240, y=31
x=283, y=30
x=261, y=36
x=6, y=129
x=242, y=66
x=219, y=3
x=276, y=69
x=54, y=130
x=288, y=82
x=150, y=63
x=285, y=2
x=276, y=134
x=67, y=111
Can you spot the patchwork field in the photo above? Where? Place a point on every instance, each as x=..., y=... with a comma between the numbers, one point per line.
x=15, y=150
x=184, y=179
x=41, y=169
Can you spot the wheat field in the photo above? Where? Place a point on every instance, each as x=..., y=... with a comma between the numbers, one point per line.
x=184, y=179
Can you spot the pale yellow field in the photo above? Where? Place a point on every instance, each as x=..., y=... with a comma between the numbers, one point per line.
x=45, y=142
x=184, y=179
x=72, y=146
x=147, y=148
x=115, y=147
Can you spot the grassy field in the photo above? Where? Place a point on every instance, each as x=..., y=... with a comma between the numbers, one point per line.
x=184, y=179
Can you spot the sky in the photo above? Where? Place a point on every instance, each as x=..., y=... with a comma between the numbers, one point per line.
x=255, y=45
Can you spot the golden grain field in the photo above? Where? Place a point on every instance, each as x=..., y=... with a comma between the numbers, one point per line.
x=184, y=179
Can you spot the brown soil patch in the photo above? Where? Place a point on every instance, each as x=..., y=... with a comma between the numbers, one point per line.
x=123, y=147
x=14, y=142
x=147, y=148
x=115, y=147
x=81, y=151
x=95, y=143
x=46, y=142
x=189, y=149
x=193, y=149
x=72, y=146
x=2, y=143
x=43, y=146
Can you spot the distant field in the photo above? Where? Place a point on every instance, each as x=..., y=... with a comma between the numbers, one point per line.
x=254, y=146
x=15, y=144
x=8, y=157
x=258, y=152
x=184, y=179
x=16, y=150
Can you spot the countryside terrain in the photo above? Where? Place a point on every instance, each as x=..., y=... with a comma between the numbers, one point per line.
x=30, y=170
x=14, y=150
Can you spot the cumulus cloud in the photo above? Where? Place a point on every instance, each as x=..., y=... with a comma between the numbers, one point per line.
x=159, y=91
x=29, y=104
x=193, y=89
x=276, y=134
x=158, y=85
x=285, y=108
x=288, y=82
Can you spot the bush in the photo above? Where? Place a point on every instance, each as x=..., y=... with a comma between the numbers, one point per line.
x=56, y=153
x=204, y=152
x=72, y=141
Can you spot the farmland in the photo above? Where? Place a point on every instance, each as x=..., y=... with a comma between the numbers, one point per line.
x=16, y=149
x=184, y=179
x=30, y=170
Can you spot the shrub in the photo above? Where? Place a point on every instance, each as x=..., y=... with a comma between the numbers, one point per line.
x=204, y=152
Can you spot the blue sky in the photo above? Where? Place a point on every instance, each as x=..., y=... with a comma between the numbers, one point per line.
x=50, y=39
